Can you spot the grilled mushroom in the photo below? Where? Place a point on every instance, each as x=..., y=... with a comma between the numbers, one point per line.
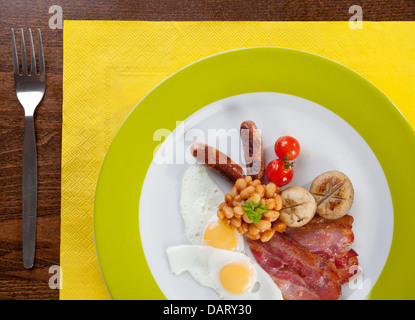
x=333, y=193
x=298, y=208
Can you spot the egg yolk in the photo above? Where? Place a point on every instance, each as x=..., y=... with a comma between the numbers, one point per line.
x=236, y=278
x=220, y=236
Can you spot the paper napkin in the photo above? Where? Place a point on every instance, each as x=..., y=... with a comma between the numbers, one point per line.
x=110, y=65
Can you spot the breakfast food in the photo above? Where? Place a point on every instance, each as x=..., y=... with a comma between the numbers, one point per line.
x=298, y=206
x=233, y=275
x=287, y=147
x=253, y=209
x=311, y=262
x=280, y=170
x=217, y=161
x=253, y=149
x=333, y=193
x=331, y=239
x=215, y=255
x=199, y=200
x=298, y=254
x=299, y=273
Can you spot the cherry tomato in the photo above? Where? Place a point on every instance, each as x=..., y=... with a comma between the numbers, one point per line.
x=287, y=148
x=280, y=172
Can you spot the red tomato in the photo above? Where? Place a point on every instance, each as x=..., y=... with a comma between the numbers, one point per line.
x=280, y=172
x=287, y=148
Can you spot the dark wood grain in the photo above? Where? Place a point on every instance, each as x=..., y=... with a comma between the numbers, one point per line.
x=16, y=282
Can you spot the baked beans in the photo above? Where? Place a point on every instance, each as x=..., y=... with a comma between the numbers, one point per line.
x=244, y=190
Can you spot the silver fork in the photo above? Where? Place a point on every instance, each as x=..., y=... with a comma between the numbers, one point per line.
x=30, y=88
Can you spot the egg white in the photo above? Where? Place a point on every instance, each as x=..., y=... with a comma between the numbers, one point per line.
x=199, y=203
x=204, y=264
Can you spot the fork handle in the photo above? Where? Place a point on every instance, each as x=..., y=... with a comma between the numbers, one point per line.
x=29, y=195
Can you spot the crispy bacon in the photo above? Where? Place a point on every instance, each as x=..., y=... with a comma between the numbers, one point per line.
x=310, y=262
x=299, y=273
x=329, y=239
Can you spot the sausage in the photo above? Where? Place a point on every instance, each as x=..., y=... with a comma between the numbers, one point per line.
x=253, y=149
x=217, y=161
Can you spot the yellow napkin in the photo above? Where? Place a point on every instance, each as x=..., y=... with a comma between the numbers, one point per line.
x=110, y=65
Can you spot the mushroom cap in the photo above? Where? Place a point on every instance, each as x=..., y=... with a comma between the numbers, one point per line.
x=298, y=206
x=334, y=194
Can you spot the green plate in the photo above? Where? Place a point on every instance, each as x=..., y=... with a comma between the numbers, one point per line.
x=337, y=88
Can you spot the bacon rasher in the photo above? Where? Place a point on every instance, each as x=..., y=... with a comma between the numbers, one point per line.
x=299, y=273
x=309, y=262
x=329, y=239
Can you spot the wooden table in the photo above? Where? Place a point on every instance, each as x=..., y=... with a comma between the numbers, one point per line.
x=15, y=281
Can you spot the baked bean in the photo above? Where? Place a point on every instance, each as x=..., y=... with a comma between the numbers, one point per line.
x=247, y=192
x=262, y=225
x=253, y=229
x=255, y=198
x=260, y=190
x=238, y=211
x=267, y=235
x=270, y=203
x=236, y=222
x=229, y=200
x=278, y=202
x=245, y=226
x=220, y=214
x=234, y=191
x=248, y=179
x=246, y=219
x=241, y=229
x=279, y=226
x=252, y=236
x=272, y=215
x=222, y=205
x=241, y=184
x=263, y=202
x=256, y=182
x=228, y=211
x=270, y=190
x=237, y=201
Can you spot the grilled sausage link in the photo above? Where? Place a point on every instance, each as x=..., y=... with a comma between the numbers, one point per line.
x=253, y=149
x=217, y=161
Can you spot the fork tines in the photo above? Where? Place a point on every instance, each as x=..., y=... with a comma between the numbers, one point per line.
x=33, y=69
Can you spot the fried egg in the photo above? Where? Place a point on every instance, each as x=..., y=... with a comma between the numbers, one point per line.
x=200, y=199
x=232, y=275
